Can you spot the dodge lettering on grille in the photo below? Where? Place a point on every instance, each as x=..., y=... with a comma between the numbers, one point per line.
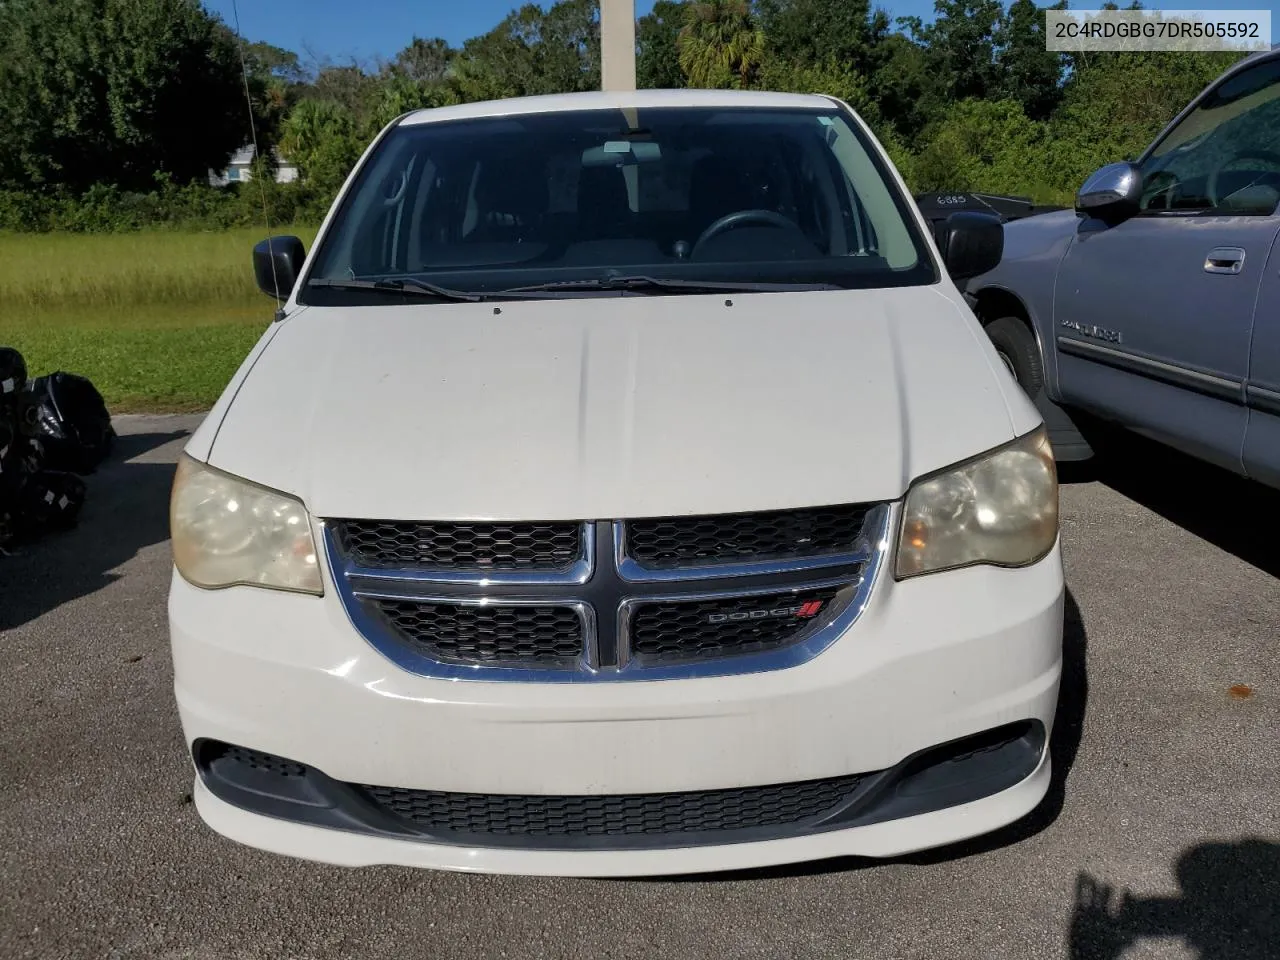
x=803, y=611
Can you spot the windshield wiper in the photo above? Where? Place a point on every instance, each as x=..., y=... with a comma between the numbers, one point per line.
x=642, y=283
x=412, y=287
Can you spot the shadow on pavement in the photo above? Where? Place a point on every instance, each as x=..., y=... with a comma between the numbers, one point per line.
x=126, y=509
x=1228, y=907
x=127, y=446
x=1232, y=513
x=1068, y=728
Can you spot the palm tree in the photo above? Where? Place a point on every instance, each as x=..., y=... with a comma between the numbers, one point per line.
x=720, y=44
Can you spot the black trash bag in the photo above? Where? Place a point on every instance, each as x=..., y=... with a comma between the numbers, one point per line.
x=69, y=418
x=13, y=377
x=48, y=500
x=11, y=445
x=11, y=471
x=19, y=457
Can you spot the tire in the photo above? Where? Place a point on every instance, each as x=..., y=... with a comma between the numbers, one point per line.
x=1016, y=345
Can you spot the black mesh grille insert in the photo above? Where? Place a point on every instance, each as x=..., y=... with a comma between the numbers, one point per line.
x=461, y=633
x=621, y=815
x=257, y=761
x=709, y=629
x=669, y=542
x=461, y=546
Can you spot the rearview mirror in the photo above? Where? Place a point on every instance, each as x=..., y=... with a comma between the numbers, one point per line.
x=277, y=261
x=1112, y=193
x=971, y=243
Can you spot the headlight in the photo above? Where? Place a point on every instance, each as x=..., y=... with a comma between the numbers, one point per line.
x=1000, y=508
x=228, y=531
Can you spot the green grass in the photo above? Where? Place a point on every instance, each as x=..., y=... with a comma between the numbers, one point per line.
x=158, y=320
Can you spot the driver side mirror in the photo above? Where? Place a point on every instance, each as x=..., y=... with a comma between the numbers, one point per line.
x=1111, y=193
x=277, y=261
x=971, y=243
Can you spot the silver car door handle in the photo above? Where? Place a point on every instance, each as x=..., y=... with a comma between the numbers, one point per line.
x=1228, y=260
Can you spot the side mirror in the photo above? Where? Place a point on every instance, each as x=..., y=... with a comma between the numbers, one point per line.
x=277, y=261
x=1112, y=193
x=971, y=243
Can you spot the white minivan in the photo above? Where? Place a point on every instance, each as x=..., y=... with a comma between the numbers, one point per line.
x=623, y=488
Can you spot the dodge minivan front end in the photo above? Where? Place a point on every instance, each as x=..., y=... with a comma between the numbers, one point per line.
x=554, y=534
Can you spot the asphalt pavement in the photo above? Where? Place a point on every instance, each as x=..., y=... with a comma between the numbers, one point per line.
x=1160, y=836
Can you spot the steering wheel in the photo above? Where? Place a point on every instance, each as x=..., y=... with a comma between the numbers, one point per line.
x=1211, y=187
x=731, y=220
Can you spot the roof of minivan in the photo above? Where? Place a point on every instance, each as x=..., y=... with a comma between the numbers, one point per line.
x=617, y=100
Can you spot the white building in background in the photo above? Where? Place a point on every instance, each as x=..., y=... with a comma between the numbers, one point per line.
x=238, y=168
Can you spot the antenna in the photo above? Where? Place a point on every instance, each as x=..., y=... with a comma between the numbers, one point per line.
x=253, y=135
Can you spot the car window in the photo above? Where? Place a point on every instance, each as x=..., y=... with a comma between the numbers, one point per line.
x=1225, y=154
x=486, y=204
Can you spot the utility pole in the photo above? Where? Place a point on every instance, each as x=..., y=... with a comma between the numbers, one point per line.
x=617, y=44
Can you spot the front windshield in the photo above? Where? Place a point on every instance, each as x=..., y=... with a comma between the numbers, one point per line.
x=741, y=195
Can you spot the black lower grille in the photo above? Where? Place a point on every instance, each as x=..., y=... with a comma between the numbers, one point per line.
x=522, y=634
x=710, y=629
x=701, y=811
x=945, y=775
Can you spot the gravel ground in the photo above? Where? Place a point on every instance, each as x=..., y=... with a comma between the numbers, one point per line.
x=1160, y=837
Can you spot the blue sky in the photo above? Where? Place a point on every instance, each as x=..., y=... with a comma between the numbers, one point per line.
x=369, y=29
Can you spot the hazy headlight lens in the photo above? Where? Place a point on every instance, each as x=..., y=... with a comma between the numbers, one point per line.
x=1000, y=509
x=228, y=531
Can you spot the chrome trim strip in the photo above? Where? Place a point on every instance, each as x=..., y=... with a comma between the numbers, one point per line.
x=1265, y=399
x=1171, y=373
x=877, y=528
x=635, y=572
x=579, y=573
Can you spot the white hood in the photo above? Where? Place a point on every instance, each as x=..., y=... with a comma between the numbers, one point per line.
x=617, y=406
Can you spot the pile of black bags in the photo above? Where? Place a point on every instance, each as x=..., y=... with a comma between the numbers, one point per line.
x=53, y=429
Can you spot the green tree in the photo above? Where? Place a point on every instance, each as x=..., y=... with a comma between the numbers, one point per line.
x=658, y=47
x=818, y=31
x=985, y=145
x=424, y=61
x=273, y=63
x=720, y=44
x=533, y=52
x=347, y=85
x=961, y=46
x=910, y=94
x=115, y=91
x=1028, y=72
x=833, y=78
x=323, y=138
x=1115, y=103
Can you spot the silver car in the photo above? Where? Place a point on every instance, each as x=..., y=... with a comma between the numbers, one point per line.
x=1155, y=303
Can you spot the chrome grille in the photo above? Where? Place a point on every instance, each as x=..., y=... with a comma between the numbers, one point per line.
x=666, y=542
x=461, y=546
x=524, y=635
x=627, y=600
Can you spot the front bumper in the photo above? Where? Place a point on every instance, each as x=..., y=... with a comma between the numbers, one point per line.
x=931, y=660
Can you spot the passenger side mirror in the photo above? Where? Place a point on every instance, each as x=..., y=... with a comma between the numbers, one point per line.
x=1112, y=193
x=971, y=243
x=277, y=261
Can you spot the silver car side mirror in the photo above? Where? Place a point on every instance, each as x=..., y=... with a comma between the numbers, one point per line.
x=1112, y=192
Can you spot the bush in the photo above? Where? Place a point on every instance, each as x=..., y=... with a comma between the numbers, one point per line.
x=105, y=208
